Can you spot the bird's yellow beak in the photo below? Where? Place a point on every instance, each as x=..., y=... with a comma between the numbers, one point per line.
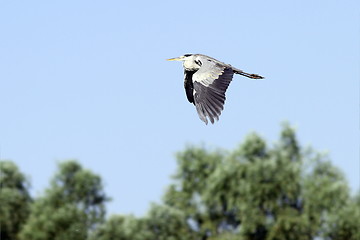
x=175, y=59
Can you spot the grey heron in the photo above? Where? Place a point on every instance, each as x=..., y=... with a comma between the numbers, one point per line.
x=206, y=81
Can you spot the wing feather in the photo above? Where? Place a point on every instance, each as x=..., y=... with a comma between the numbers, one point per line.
x=209, y=92
x=201, y=112
x=209, y=112
x=208, y=72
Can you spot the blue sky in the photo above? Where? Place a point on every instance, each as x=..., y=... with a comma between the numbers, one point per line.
x=88, y=80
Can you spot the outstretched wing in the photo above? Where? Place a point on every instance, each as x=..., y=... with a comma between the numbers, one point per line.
x=210, y=83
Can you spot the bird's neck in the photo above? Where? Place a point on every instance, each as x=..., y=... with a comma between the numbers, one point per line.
x=190, y=66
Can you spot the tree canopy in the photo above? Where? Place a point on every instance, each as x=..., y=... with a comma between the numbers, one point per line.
x=257, y=191
x=15, y=200
x=71, y=207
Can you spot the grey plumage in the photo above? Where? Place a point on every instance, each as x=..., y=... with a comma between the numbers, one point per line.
x=206, y=81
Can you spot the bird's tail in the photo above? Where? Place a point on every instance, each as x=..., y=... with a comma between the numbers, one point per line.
x=253, y=76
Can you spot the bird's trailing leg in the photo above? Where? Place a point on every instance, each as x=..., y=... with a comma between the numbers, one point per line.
x=253, y=76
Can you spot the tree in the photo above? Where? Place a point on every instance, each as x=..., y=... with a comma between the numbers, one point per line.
x=122, y=228
x=167, y=223
x=257, y=192
x=15, y=200
x=70, y=209
x=161, y=223
x=345, y=224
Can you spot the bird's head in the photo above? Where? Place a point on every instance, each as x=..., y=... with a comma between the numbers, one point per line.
x=181, y=58
x=190, y=61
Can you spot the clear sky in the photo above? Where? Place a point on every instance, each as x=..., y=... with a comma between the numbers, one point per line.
x=88, y=80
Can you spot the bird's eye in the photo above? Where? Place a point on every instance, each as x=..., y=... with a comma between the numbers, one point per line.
x=198, y=62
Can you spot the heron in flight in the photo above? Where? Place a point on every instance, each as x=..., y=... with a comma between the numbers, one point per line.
x=206, y=80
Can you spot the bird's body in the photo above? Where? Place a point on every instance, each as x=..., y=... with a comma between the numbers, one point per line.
x=206, y=81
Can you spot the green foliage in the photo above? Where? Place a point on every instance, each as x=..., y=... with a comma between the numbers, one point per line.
x=70, y=208
x=345, y=224
x=255, y=192
x=48, y=222
x=161, y=223
x=167, y=223
x=14, y=198
x=325, y=193
x=123, y=228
